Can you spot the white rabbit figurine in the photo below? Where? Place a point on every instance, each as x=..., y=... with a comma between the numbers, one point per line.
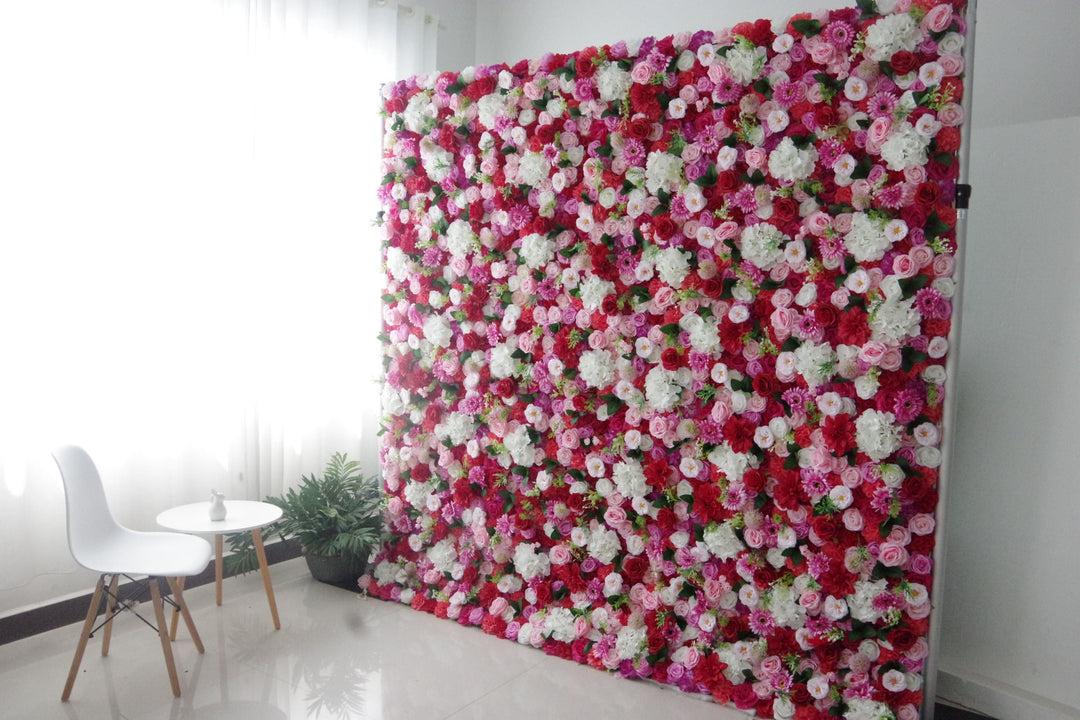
x=217, y=505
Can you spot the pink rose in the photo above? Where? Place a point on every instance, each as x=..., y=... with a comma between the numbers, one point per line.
x=559, y=555
x=952, y=64
x=756, y=157
x=714, y=589
x=872, y=352
x=498, y=606
x=641, y=73
x=597, y=341
x=692, y=658
x=664, y=298
x=853, y=520
x=817, y=223
x=842, y=223
x=879, y=131
x=951, y=115
x=892, y=555
x=568, y=439
x=899, y=535
x=944, y=265
x=923, y=255
x=394, y=506
x=755, y=537
x=659, y=426
x=938, y=19
x=811, y=600
x=892, y=360
x=726, y=230
x=905, y=266
x=922, y=524
x=614, y=516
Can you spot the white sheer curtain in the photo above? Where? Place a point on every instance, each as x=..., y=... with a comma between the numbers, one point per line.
x=188, y=280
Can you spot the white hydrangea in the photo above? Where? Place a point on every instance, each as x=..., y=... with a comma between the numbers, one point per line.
x=630, y=642
x=533, y=169
x=785, y=608
x=437, y=331
x=673, y=266
x=612, y=81
x=762, y=244
x=385, y=572
x=397, y=262
x=861, y=602
x=788, y=162
x=722, y=542
x=537, y=250
x=866, y=709
x=597, y=368
x=732, y=464
x=461, y=241
x=491, y=107
x=593, y=290
x=892, y=34
x=704, y=334
x=529, y=563
x=876, y=435
x=815, y=362
x=443, y=555
x=662, y=389
x=629, y=478
x=663, y=171
x=904, y=148
x=559, y=624
x=416, y=494
x=745, y=62
x=866, y=241
x=604, y=545
x=419, y=115
x=894, y=319
x=520, y=446
x=503, y=365
x=437, y=162
x=457, y=428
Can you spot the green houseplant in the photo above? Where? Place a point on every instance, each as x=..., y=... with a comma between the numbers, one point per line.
x=338, y=519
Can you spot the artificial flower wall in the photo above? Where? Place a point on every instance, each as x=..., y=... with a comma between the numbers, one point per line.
x=666, y=327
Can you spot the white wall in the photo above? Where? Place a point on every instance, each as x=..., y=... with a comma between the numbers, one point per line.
x=1008, y=624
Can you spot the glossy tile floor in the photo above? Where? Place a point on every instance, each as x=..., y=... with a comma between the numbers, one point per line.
x=338, y=655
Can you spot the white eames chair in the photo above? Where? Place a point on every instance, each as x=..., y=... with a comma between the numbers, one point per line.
x=99, y=543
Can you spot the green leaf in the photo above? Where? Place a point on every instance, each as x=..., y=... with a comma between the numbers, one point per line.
x=809, y=28
x=762, y=86
x=672, y=330
x=862, y=169
x=910, y=286
x=910, y=357
x=868, y=7
x=709, y=178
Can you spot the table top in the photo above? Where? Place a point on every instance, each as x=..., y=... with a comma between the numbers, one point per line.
x=239, y=515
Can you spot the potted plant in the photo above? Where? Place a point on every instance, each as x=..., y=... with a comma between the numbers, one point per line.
x=338, y=519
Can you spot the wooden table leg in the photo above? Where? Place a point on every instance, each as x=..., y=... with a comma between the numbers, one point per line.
x=219, y=546
x=256, y=536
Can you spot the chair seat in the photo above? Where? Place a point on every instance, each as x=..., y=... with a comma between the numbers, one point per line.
x=164, y=554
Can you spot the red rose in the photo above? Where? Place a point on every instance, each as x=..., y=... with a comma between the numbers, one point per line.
x=903, y=62
x=505, y=387
x=928, y=194
x=727, y=181
x=640, y=128
x=671, y=359
x=825, y=116
x=664, y=226
x=744, y=696
x=825, y=314
x=785, y=209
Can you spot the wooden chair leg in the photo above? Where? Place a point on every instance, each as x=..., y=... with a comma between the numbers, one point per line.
x=176, y=611
x=177, y=585
x=91, y=615
x=109, y=615
x=163, y=632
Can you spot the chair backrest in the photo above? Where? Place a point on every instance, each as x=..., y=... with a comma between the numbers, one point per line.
x=89, y=521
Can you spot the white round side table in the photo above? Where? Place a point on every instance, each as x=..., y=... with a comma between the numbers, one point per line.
x=240, y=515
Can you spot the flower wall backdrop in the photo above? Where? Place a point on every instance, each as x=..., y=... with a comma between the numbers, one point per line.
x=666, y=327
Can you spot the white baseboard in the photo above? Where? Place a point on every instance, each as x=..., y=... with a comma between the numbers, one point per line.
x=997, y=699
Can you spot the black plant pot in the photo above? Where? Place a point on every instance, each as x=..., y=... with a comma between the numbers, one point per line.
x=335, y=569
